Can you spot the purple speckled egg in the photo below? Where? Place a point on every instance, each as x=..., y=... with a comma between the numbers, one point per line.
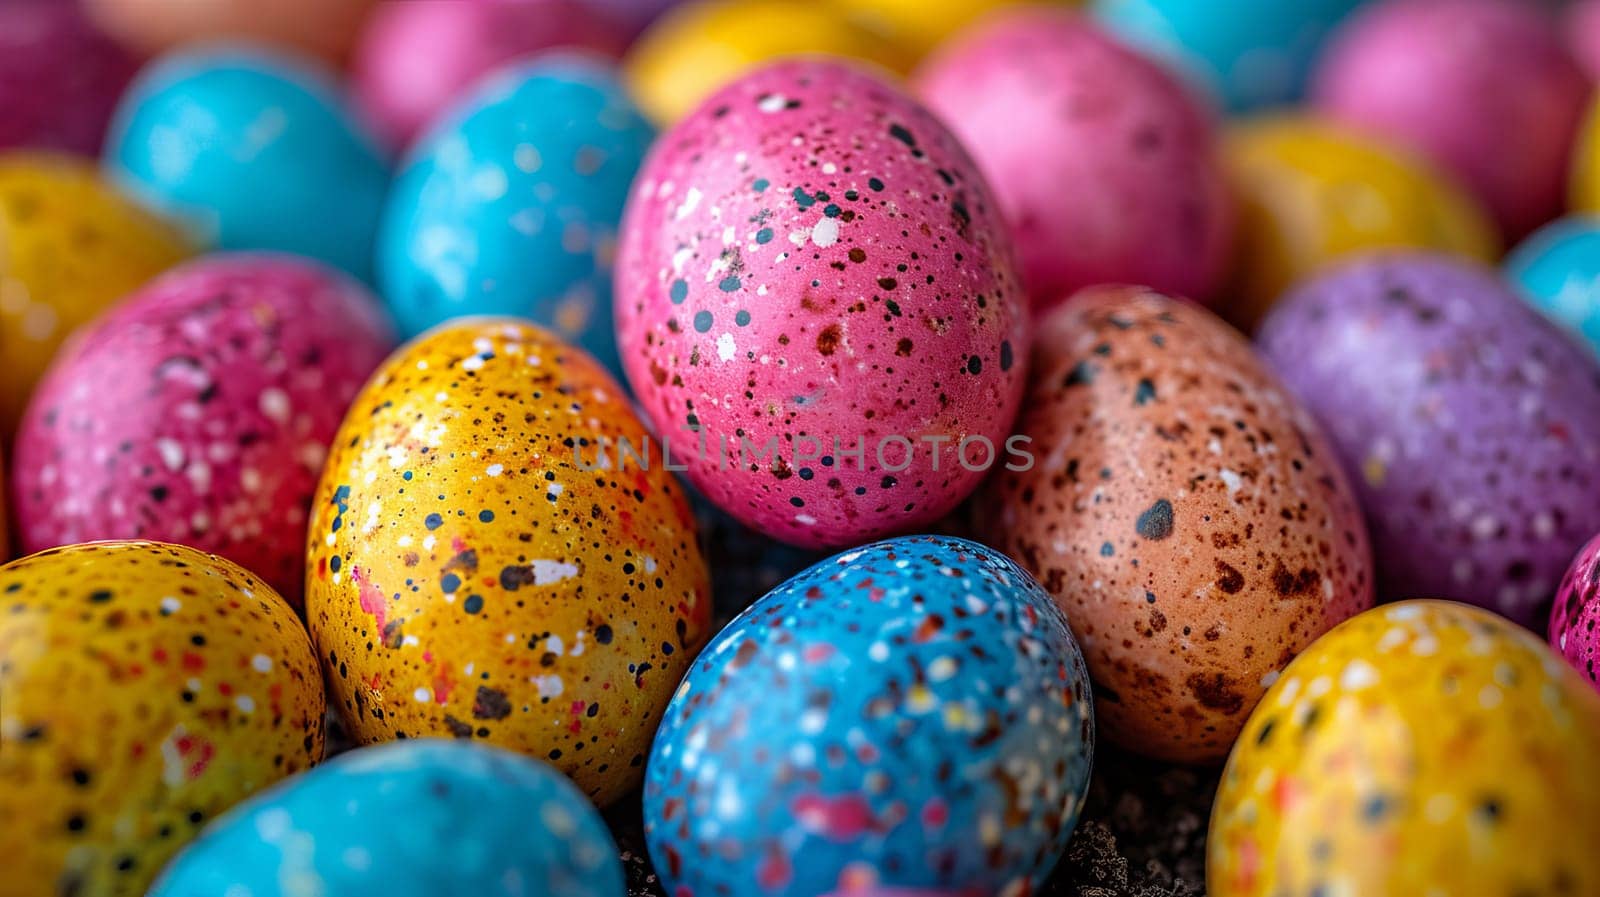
x=814, y=283
x=1484, y=88
x=1104, y=162
x=59, y=77
x=1470, y=424
x=1575, y=621
x=199, y=411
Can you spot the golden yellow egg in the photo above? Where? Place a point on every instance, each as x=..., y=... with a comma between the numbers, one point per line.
x=144, y=689
x=702, y=45
x=1586, y=164
x=919, y=26
x=468, y=577
x=1311, y=193
x=1420, y=748
x=70, y=245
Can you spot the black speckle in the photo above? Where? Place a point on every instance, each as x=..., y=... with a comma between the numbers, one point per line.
x=1156, y=522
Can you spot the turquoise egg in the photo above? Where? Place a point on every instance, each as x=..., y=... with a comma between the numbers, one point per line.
x=1245, y=53
x=415, y=818
x=510, y=204
x=1558, y=270
x=253, y=150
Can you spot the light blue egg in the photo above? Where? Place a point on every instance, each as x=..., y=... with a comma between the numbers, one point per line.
x=1245, y=53
x=916, y=709
x=1558, y=270
x=255, y=150
x=418, y=818
x=510, y=204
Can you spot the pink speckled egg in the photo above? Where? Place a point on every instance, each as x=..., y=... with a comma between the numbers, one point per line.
x=819, y=306
x=1104, y=162
x=415, y=56
x=199, y=411
x=1575, y=620
x=59, y=77
x=1485, y=88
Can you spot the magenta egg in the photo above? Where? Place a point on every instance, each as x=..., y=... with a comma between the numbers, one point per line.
x=1484, y=88
x=1104, y=162
x=1582, y=27
x=1575, y=620
x=199, y=411
x=59, y=77
x=415, y=57
x=818, y=308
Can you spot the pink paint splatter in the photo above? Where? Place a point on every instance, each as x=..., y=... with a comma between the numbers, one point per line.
x=842, y=818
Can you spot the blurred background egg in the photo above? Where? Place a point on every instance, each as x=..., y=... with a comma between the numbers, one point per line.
x=1424, y=747
x=1312, y=192
x=199, y=411
x=146, y=688
x=918, y=27
x=324, y=28
x=812, y=265
x=476, y=570
x=59, y=77
x=1582, y=30
x=510, y=205
x=699, y=47
x=1247, y=54
x=916, y=707
x=1484, y=88
x=417, y=56
x=410, y=819
x=1185, y=511
x=1469, y=423
x=1575, y=619
x=1584, y=178
x=255, y=151
x=1115, y=179
x=1558, y=270
x=70, y=246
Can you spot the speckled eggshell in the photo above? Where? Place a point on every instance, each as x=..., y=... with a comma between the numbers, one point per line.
x=1485, y=88
x=812, y=254
x=1184, y=510
x=199, y=411
x=1469, y=423
x=254, y=150
x=913, y=713
x=1575, y=619
x=1248, y=53
x=72, y=245
x=1557, y=269
x=477, y=570
x=325, y=28
x=461, y=42
x=477, y=820
x=1312, y=193
x=1424, y=747
x=145, y=689
x=59, y=77
x=510, y=204
x=1105, y=164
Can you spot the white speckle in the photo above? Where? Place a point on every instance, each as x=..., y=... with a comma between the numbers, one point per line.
x=245, y=703
x=273, y=824
x=725, y=347
x=691, y=201
x=1544, y=526
x=1484, y=527
x=527, y=159
x=941, y=668
x=772, y=102
x=826, y=232
x=1425, y=646
x=261, y=663
x=1270, y=677
x=422, y=696
x=805, y=520
x=812, y=721
x=1232, y=480
x=472, y=363
x=548, y=686
x=490, y=182
x=357, y=859
x=1358, y=674
x=495, y=470
x=1489, y=697
x=878, y=652
x=200, y=476
x=170, y=605
x=274, y=404
x=171, y=453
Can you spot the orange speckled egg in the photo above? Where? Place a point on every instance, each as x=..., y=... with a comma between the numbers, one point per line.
x=325, y=28
x=486, y=562
x=144, y=689
x=1421, y=748
x=1187, y=514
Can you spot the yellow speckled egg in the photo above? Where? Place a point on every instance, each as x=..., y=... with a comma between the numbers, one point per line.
x=701, y=46
x=70, y=245
x=1311, y=193
x=144, y=689
x=1586, y=164
x=919, y=26
x=1420, y=748
x=487, y=561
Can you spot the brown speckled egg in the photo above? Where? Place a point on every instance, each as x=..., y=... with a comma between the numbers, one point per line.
x=1184, y=510
x=481, y=565
x=144, y=689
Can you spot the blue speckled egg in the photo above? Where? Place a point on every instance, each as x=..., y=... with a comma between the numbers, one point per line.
x=255, y=150
x=1246, y=53
x=510, y=205
x=416, y=818
x=1558, y=270
x=913, y=713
